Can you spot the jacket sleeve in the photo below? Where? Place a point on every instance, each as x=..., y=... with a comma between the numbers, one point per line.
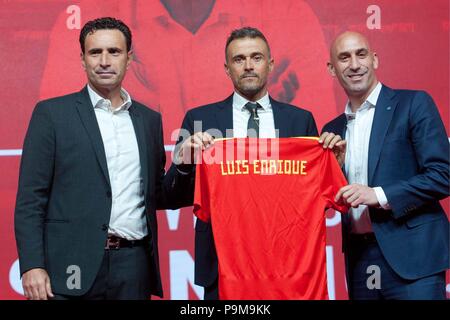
x=431, y=148
x=35, y=183
x=176, y=187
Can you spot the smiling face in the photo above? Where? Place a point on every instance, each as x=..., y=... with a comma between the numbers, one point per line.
x=105, y=59
x=248, y=64
x=353, y=63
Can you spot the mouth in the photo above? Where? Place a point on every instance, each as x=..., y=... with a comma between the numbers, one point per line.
x=247, y=76
x=105, y=74
x=356, y=76
x=249, y=79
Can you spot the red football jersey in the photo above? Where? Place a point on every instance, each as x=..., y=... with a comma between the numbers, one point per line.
x=266, y=199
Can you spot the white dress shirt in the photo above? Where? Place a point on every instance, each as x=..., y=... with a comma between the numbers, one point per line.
x=359, y=126
x=241, y=116
x=124, y=167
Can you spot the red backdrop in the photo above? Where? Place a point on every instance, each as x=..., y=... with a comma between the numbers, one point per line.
x=179, y=65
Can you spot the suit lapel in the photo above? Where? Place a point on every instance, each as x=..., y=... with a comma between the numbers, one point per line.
x=384, y=111
x=224, y=115
x=280, y=119
x=87, y=116
x=138, y=124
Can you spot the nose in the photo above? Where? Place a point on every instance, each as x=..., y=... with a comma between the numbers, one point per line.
x=354, y=63
x=104, y=60
x=248, y=64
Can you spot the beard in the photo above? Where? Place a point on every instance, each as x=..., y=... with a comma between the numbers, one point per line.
x=252, y=88
x=250, y=91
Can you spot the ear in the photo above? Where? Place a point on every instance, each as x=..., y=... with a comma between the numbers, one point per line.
x=83, y=63
x=271, y=64
x=130, y=56
x=331, y=69
x=227, y=69
x=375, y=61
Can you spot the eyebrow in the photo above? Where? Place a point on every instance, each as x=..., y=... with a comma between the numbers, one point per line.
x=348, y=53
x=251, y=55
x=362, y=50
x=112, y=49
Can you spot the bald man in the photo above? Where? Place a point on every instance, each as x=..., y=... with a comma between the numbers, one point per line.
x=396, y=236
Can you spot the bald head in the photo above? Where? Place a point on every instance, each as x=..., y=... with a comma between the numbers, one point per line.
x=345, y=37
x=353, y=63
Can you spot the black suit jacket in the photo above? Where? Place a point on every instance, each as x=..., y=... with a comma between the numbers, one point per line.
x=289, y=120
x=409, y=158
x=63, y=203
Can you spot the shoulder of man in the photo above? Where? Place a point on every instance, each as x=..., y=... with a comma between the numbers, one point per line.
x=405, y=97
x=211, y=107
x=403, y=93
x=286, y=107
x=145, y=110
x=61, y=100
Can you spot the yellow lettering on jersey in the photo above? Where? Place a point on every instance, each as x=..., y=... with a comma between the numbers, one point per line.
x=303, y=168
x=238, y=167
x=224, y=173
x=264, y=167
x=245, y=166
x=256, y=167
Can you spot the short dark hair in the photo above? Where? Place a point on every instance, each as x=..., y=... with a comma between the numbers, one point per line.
x=245, y=32
x=107, y=23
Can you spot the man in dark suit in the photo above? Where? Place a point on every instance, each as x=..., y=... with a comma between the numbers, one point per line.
x=249, y=111
x=396, y=237
x=91, y=178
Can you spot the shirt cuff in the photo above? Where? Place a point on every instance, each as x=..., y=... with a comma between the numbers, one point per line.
x=381, y=197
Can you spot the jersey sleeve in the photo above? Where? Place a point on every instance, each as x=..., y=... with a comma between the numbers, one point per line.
x=202, y=206
x=332, y=180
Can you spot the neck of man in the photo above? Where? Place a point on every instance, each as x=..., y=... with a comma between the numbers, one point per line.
x=357, y=99
x=112, y=94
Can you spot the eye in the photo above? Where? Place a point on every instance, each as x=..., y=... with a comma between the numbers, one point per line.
x=362, y=53
x=94, y=53
x=238, y=60
x=257, y=58
x=114, y=52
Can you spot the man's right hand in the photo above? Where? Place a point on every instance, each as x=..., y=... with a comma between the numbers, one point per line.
x=36, y=284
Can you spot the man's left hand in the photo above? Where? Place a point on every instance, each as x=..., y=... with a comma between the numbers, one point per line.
x=357, y=194
x=334, y=142
x=187, y=154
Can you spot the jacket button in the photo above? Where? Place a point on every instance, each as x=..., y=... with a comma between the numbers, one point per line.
x=108, y=194
x=104, y=227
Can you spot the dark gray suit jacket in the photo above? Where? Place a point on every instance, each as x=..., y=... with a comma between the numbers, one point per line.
x=63, y=203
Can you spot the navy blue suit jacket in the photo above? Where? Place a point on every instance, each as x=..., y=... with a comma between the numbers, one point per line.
x=409, y=159
x=289, y=120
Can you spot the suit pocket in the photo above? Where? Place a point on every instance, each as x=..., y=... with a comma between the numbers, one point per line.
x=421, y=219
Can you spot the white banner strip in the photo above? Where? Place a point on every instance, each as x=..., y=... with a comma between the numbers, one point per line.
x=10, y=152
x=18, y=152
